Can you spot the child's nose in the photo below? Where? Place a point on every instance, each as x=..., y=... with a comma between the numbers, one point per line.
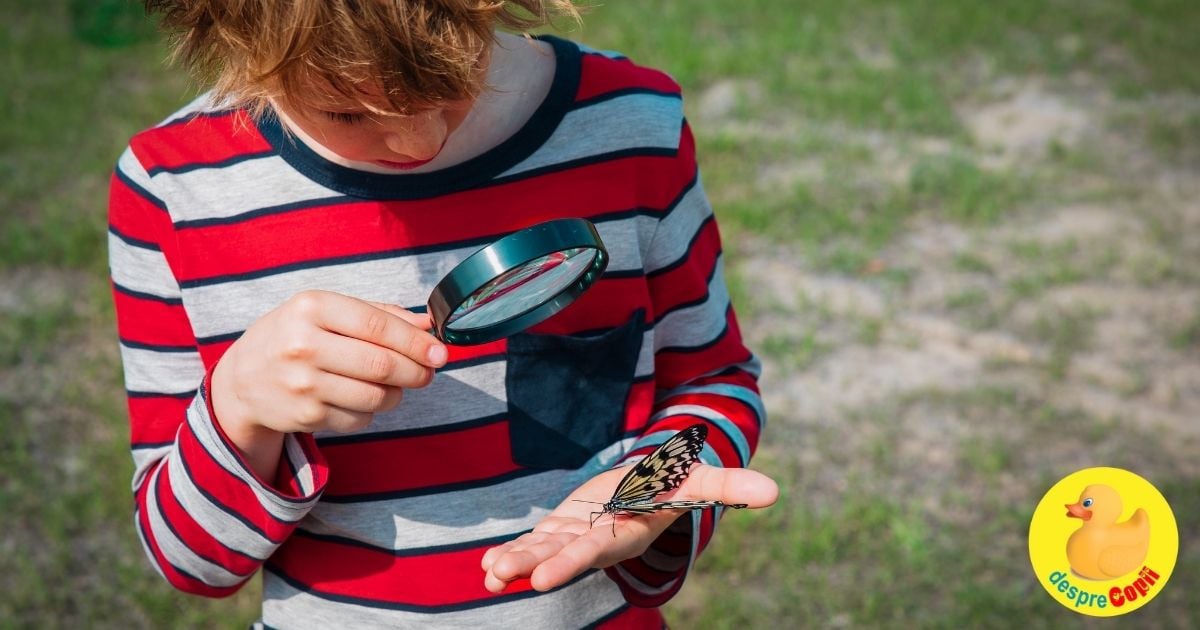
x=421, y=139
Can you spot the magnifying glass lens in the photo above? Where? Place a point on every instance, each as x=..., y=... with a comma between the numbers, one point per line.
x=521, y=289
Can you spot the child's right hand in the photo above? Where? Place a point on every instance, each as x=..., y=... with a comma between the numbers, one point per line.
x=321, y=360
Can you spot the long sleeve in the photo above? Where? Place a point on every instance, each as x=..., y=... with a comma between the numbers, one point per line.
x=206, y=522
x=704, y=374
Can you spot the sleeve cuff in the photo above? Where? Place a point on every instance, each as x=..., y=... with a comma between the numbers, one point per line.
x=302, y=472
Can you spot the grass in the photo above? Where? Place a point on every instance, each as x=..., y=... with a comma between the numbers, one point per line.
x=845, y=134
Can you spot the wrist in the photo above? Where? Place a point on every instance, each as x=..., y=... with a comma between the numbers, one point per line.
x=259, y=445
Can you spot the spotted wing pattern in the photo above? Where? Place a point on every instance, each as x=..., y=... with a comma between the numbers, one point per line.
x=661, y=471
x=664, y=469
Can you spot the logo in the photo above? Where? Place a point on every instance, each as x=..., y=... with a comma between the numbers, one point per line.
x=1103, y=542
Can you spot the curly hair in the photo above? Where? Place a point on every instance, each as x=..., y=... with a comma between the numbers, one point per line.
x=413, y=53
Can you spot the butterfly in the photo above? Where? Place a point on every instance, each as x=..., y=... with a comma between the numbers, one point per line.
x=661, y=471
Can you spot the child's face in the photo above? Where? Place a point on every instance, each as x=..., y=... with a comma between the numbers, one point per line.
x=388, y=141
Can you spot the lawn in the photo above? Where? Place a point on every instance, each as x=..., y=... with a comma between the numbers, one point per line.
x=962, y=236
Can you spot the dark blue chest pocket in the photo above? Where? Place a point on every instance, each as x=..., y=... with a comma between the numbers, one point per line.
x=566, y=394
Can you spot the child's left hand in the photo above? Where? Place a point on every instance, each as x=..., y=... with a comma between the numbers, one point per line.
x=564, y=544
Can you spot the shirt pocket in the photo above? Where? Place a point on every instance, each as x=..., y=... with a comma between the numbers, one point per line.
x=567, y=394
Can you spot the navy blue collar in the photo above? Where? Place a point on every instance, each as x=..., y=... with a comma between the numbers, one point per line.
x=463, y=176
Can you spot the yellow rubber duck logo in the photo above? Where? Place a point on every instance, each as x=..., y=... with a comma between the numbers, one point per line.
x=1104, y=549
x=1114, y=549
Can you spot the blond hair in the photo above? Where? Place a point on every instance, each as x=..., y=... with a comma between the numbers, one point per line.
x=414, y=54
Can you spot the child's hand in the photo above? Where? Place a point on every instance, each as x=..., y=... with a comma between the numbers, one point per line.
x=565, y=545
x=322, y=361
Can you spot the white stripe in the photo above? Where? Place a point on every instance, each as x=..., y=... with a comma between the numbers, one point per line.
x=300, y=463
x=574, y=606
x=744, y=394
x=161, y=372
x=462, y=517
x=227, y=191
x=642, y=587
x=144, y=459
x=229, y=531
x=676, y=231
x=140, y=269
x=626, y=241
x=739, y=440
x=230, y=307
x=129, y=166
x=178, y=553
x=137, y=526
x=698, y=324
x=647, y=121
x=279, y=507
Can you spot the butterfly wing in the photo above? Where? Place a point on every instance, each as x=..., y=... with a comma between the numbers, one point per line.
x=664, y=469
x=647, y=508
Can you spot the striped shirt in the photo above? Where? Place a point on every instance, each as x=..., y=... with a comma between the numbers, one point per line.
x=216, y=219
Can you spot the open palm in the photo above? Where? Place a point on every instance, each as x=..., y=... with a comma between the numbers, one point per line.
x=565, y=544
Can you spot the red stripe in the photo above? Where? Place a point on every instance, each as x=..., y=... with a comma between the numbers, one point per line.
x=195, y=536
x=409, y=463
x=639, y=405
x=228, y=489
x=677, y=367
x=353, y=571
x=599, y=77
x=156, y=420
x=633, y=618
x=688, y=282
x=174, y=577
x=133, y=215
x=648, y=575
x=153, y=322
x=609, y=303
x=360, y=228
x=201, y=140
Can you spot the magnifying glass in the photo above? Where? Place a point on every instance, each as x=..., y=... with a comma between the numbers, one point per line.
x=517, y=281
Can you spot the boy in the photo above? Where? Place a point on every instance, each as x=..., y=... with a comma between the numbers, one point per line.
x=350, y=154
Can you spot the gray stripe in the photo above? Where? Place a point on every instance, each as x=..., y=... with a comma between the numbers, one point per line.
x=223, y=526
x=177, y=553
x=161, y=372
x=140, y=269
x=130, y=167
x=626, y=241
x=279, y=507
x=217, y=193
x=696, y=325
x=677, y=229
x=574, y=606
x=230, y=307
x=647, y=121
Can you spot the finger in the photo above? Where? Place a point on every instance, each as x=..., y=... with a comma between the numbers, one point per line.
x=354, y=395
x=368, y=362
x=520, y=562
x=489, y=556
x=729, y=485
x=382, y=326
x=345, y=421
x=573, y=559
x=421, y=320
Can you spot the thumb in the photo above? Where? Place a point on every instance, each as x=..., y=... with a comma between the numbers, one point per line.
x=730, y=486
